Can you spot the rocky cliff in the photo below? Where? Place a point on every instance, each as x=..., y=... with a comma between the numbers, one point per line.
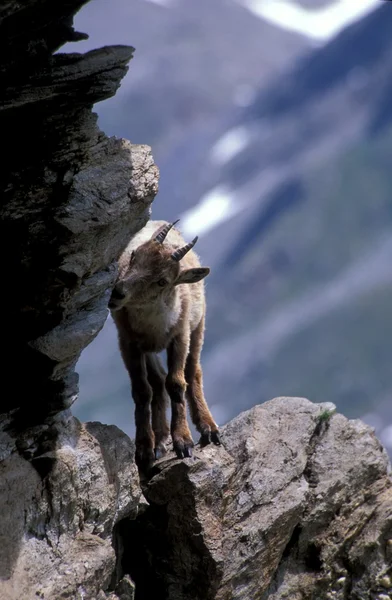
x=297, y=503
x=71, y=198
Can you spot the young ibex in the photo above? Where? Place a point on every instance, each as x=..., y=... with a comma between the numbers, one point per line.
x=155, y=309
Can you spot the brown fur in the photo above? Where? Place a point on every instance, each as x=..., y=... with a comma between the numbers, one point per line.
x=159, y=304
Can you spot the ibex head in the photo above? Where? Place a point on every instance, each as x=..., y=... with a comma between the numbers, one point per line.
x=154, y=270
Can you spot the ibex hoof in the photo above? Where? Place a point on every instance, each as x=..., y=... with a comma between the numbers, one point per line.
x=183, y=448
x=160, y=451
x=210, y=436
x=144, y=458
x=215, y=438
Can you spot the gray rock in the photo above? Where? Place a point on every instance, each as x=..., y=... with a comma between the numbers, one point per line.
x=59, y=511
x=295, y=504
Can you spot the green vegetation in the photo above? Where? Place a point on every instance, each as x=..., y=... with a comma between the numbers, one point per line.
x=325, y=416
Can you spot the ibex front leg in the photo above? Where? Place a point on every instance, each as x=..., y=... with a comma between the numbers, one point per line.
x=135, y=362
x=157, y=379
x=175, y=384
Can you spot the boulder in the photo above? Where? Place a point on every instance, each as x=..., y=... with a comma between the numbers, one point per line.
x=296, y=503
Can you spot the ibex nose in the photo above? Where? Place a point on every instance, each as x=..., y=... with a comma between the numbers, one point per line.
x=115, y=299
x=116, y=295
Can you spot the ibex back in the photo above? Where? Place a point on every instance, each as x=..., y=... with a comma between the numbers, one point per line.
x=158, y=303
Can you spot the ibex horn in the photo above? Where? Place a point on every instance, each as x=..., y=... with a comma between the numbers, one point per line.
x=180, y=253
x=161, y=235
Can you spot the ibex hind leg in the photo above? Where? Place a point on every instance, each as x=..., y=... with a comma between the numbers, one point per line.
x=200, y=413
x=157, y=379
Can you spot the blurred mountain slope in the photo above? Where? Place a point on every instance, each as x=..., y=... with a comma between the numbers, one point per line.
x=304, y=266
x=194, y=64
x=299, y=295
x=308, y=304
x=192, y=61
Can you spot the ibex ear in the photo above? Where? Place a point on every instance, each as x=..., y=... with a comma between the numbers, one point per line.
x=192, y=275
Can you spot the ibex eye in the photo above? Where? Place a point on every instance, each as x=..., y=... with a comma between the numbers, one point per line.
x=132, y=256
x=162, y=282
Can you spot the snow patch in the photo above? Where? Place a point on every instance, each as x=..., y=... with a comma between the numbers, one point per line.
x=230, y=144
x=321, y=23
x=165, y=3
x=214, y=207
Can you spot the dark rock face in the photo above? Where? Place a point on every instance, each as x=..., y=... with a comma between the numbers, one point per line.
x=71, y=200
